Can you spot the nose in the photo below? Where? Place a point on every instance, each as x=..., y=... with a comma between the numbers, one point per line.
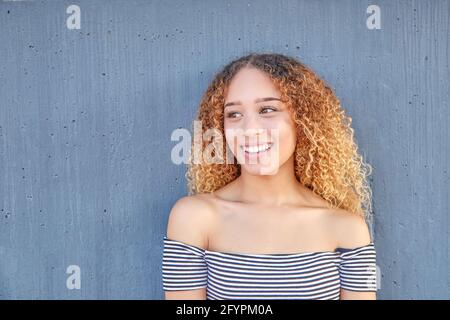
x=252, y=125
x=253, y=129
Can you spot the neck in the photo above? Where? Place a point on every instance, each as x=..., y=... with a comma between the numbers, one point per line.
x=279, y=189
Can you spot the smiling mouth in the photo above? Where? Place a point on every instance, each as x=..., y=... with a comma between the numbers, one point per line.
x=257, y=149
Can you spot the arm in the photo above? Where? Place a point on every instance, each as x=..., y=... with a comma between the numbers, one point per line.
x=356, y=295
x=189, y=222
x=352, y=232
x=197, y=294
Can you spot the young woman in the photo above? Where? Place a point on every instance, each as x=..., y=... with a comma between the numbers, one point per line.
x=287, y=219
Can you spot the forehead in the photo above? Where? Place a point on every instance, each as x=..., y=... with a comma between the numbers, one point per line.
x=249, y=84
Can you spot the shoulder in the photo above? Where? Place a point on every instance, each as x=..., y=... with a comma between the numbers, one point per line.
x=350, y=230
x=190, y=220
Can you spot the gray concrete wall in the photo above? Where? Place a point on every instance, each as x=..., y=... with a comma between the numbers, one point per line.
x=86, y=116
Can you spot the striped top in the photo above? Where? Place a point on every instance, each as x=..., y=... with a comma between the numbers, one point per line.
x=308, y=275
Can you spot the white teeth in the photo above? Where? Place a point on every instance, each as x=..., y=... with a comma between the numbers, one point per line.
x=256, y=149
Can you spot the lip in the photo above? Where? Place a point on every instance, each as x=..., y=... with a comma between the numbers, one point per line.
x=256, y=154
x=256, y=145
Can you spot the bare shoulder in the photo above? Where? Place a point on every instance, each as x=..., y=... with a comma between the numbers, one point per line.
x=350, y=230
x=190, y=220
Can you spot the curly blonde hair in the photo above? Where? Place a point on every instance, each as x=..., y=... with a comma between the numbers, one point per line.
x=326, y=157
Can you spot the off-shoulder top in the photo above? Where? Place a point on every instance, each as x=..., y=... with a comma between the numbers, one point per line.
x=307, y=275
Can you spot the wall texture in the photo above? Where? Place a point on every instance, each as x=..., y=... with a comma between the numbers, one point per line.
x=86, y=116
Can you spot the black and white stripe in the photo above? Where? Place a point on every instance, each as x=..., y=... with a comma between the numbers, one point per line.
x=309, y=275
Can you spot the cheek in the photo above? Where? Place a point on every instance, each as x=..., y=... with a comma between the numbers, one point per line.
x=287, y=136
x=230, y=136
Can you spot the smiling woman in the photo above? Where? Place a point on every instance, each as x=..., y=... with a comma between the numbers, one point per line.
x=286, y=219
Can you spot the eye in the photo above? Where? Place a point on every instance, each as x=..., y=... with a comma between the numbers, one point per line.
x=265, y=109
x=233, y=114
x=268, y=108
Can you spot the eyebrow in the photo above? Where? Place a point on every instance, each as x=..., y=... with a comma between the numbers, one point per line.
x=256, y=101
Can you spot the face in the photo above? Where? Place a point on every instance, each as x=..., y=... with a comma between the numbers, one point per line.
x=259, y=128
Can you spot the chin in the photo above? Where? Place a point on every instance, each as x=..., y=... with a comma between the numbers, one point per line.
x=259, y=170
